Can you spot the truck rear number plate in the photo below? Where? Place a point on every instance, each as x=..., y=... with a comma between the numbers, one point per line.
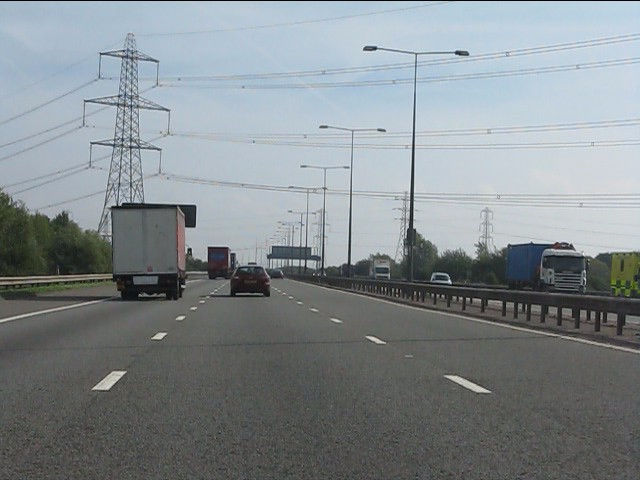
x=146, y=280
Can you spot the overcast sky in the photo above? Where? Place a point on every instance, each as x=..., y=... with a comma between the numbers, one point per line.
x=540, y=123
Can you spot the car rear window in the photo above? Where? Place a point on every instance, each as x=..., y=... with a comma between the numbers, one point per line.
x=250, y=271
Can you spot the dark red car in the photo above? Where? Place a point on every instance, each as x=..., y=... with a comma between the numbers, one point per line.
x=251, y=279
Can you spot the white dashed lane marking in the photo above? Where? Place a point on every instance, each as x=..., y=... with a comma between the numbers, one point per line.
x=467, y=384
x=375, y=340
x=51, y=310
x=109, y=381
x=336, y=320
x=159, y=336
x=180, y=318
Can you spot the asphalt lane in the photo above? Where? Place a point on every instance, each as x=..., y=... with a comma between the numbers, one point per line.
x=290, y=387
x=48, y=364
x=15, y=303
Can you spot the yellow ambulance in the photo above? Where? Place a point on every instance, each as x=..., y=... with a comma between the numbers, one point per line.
x=625, y=274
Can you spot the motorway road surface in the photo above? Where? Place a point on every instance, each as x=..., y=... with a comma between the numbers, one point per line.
x=310, y=383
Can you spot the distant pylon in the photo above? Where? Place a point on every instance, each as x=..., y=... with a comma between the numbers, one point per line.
x=487, y=229
x=400, y=250
x=125, y=183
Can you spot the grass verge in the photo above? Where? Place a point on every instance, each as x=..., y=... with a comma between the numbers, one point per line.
x=34, y=291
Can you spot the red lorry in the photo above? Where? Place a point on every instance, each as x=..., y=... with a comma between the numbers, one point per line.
x=219, y=262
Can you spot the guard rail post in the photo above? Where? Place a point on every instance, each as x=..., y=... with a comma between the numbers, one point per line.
x=620, y=323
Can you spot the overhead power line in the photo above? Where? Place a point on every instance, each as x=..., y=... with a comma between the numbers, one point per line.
x=305, y=137
x=326, y=72
x=83, y=197
x=62, y=174
x=403, y=146
x=603, y=200
x=51, y=129
x=291, y=24
x=49, y=102
x=52, y=180
x=49, y=77
x=403, y=81
x=42, y=132
x=44, y=142
x=46, y=175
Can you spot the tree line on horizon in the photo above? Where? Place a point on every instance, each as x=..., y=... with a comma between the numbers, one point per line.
x=487, y=268
x=34, y=244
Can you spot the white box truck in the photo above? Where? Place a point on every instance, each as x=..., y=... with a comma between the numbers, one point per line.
x=148, y=249
x=380, y=269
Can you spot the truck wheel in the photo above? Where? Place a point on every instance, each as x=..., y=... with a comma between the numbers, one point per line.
x=175, y=294
x=168, y=295
x=128, y=295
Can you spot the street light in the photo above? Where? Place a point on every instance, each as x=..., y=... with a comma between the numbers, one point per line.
x=281, y=237
x=290, y=237
x=300, y=248
x=411, y=234
x=324, y=203
x=306, y=228
x=352, y=130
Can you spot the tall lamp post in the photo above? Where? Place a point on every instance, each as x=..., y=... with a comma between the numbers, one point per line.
x=352, y=130
x=306, y=228
x=324, y=204
x=289, y=237
x=300, y=248
x=410, y=233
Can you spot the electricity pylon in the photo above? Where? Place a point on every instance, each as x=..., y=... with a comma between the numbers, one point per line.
x=125, y=183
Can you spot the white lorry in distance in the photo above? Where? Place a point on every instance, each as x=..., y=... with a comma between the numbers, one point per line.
x=380, y=269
